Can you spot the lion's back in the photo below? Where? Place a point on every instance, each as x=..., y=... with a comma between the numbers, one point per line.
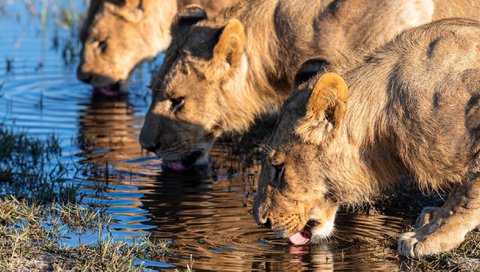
x=428, y=80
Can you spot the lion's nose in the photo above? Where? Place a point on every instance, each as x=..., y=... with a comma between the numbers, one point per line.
x=150, y=146
x=85, y=77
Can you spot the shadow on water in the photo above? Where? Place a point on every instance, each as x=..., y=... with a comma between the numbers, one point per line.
x=208, y=217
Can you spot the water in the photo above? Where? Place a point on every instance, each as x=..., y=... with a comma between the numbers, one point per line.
x=208, y=218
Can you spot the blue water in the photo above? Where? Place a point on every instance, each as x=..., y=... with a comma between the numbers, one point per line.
x=206, y=218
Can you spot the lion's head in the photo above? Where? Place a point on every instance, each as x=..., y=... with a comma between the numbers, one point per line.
x=202, y=67
x=295, y=197
x=117, y=35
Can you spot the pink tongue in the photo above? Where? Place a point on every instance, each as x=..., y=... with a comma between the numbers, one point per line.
x=298, y=239
x=105, y=91
x=175, y=165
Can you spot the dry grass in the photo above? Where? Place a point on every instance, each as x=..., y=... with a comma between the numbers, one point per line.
x=31, y=240
x=40, y=208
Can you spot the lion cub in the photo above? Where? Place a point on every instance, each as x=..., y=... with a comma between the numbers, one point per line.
x=412, y=108
x=118, y=35
x=222, y=73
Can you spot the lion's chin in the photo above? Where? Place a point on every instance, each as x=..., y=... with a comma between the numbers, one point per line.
x=112, y=90
x=196, y=160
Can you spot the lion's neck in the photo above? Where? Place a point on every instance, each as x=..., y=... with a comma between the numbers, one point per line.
x=275, y=48
x=368, y=167
x=358, y=172
x=245, y=98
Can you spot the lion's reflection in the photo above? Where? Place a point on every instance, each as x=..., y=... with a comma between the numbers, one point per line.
x=209, y=216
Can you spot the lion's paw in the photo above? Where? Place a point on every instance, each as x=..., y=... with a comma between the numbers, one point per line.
x=415, y=245
x=407, y=244
x=427, y=215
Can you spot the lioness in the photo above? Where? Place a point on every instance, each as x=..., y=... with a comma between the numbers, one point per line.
x=117, y=35
x=219, y=74
x=413, y=108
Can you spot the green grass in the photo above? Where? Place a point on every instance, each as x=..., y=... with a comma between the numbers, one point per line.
x=39, y=208
x=30, y=235
x=29, y=169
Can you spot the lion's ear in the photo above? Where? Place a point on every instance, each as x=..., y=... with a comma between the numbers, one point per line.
x=325, y=111
x=309, y=70
x=130, y=10
x=186, y=18
x=230, y=45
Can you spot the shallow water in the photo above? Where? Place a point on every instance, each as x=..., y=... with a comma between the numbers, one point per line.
x=208, y=218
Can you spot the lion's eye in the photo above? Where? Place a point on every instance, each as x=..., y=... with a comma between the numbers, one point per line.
x=103, y=46
x=177, y=103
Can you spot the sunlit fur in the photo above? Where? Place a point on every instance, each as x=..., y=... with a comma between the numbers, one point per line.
x=133, y=31
x=226, y=92
x=332, y=95
x=412, y=110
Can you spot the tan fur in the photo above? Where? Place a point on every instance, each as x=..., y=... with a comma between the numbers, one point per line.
x=230, y=44
x=330, y=92
x=132, y=31
x=227, y=95
x=413, y=109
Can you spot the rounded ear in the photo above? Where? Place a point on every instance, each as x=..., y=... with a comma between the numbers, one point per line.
x=186, y=18
x=310, y=69
x=131, y=10
x=230, y=45
x=325, y=111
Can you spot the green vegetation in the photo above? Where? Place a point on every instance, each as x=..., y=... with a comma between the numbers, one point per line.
x=39, y=208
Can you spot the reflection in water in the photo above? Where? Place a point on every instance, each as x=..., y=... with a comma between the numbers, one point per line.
x=208, y=217
x=212, y=220
x=107, y=131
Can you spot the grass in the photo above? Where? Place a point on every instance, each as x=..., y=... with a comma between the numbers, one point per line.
x=40, y=210
x=30, y=236
x=29, y=169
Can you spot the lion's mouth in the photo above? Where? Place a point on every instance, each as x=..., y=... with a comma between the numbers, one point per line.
x=194, y=159
x=108, y=91
x=304, y=236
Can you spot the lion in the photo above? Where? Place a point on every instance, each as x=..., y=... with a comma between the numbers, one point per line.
x=411, y=109
x=117, y=35
x=222, y=73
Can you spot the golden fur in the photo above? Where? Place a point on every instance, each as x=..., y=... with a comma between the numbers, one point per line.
x=412, y=109
x=226, y=71
x=117, y=35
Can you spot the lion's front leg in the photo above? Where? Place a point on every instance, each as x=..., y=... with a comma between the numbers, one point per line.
x=447, y=226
